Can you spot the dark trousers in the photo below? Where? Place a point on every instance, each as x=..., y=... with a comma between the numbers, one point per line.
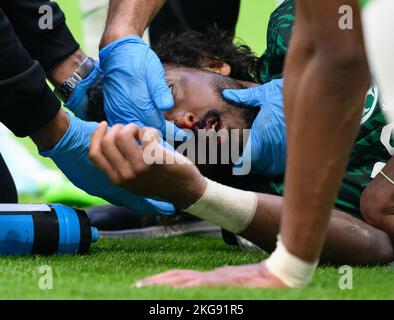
x=180, y=15
x=8, y=192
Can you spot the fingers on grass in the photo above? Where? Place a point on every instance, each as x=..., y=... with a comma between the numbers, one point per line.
x=173, y=278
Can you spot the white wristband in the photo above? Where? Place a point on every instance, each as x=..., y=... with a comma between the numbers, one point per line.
x=229, y=208
x=293, y=271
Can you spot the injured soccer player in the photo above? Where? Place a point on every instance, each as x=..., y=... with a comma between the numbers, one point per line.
x=198, y=69
x=197, y=75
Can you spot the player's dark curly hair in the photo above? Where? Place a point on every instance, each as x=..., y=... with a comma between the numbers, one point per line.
x=194, y=50
x=197, y=50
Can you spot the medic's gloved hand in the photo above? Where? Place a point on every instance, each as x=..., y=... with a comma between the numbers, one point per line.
x=78, y=102
x=71, y=155
x=135, y=87
x=268, y=132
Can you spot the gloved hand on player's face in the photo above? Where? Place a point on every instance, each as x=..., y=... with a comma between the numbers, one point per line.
x=135, y=86
x=71, y=155
x=268, y=133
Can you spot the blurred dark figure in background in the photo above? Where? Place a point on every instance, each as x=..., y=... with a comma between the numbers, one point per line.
x=176, y=16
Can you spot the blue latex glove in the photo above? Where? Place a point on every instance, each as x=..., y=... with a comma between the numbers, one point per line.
x=135, y=87
x=268, y=132
x=78, y=102
x=71, y=155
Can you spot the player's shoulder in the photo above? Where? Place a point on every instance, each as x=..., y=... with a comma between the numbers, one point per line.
x=285, y=11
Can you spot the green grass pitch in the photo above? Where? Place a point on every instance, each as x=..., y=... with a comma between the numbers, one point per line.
x=113, y=266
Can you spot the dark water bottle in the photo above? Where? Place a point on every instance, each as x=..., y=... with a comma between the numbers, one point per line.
x=44, y=229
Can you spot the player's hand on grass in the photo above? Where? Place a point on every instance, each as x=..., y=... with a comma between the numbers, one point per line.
x=268, y=132
x=249, y=276
x=135, y=86
x=135, y=159
x=71, y=155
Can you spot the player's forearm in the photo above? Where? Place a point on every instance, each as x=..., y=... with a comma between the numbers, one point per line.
x=322, y=119
x=349, y=240
x=316, y=166
x=129, y=17
x=377, y=201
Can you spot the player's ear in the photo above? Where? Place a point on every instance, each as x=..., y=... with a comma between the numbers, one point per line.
x=224, y=69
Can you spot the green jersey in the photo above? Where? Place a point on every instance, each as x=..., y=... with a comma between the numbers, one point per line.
x=373, y=146
x=371, y=151
x=278, y=37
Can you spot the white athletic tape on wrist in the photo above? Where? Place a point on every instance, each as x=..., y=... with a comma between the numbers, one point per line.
x=293, y=271
x=229, y=208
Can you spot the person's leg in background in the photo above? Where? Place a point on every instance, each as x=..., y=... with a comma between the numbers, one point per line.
x=8, y=192
x=378, y=26
x=179, y=15
x=326, y=77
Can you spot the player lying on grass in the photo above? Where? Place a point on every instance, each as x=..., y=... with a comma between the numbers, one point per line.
x=120, y=153
x=198, y=68
x=198, y=74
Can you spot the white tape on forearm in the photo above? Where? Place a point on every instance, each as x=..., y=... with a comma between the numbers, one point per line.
x=229, y=208
x=293, y=271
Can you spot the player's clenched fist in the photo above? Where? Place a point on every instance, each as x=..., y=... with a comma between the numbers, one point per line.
x=135, y=159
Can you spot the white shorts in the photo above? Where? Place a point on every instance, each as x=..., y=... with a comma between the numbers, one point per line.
x=378, y=24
